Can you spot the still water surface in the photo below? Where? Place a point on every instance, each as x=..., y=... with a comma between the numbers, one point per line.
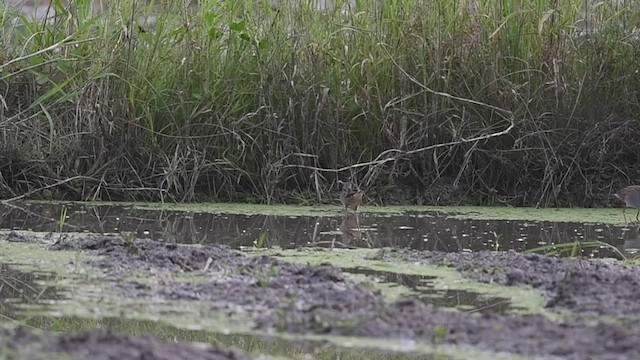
x=415, y=230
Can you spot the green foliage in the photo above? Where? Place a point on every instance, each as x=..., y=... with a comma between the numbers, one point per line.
x=261, y=241
x=245, y=99
x=62, y=220
x=264, y=279
x=574, y=249
x=439, y=334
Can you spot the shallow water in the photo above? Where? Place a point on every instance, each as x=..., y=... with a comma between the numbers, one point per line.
x=462, y=300
x=23, y=288
x=425, y=230
x=431, y=230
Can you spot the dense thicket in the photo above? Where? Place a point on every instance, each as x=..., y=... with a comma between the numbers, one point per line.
x=519, y=102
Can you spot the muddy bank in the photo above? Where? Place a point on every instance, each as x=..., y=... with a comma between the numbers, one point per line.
x=257, y=283
x=582, y=286
x=295, y=298
x=21, y=343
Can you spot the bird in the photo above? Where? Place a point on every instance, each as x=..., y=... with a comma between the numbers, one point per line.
x=631, y=197
x=350, y=198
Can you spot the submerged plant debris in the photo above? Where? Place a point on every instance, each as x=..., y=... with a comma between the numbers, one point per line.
x=304, y=299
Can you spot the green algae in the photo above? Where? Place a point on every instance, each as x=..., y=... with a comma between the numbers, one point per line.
x=282, y=346
x=81, y=279
x=36, y=257
x=34, y=354
x=524, y=299
x=82, y=287
x=582, y=215
x=89, y=301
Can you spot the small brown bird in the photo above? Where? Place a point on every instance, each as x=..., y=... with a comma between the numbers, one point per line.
x=631, y=197
x=349, y=197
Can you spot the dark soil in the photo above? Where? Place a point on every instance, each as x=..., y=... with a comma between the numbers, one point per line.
x=20, y=343
x=582, y=286
x=321, y=299
x=255, y=282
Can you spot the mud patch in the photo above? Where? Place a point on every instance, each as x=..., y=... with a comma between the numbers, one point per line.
x=100, y=345
x=528, y=335
x=302, y=299
x=257, y=284
x=582, y=286
x=532, y=335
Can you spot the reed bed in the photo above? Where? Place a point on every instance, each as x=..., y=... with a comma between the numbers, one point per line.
x=478, y=102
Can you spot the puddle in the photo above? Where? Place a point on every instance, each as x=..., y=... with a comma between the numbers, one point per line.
x=463, y=300
x=24, y=288
x=251, y=344
x=419, y=231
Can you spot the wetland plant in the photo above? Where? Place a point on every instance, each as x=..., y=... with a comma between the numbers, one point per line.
x=439, y=335
x=62, y=220
x=574, y=249
x=264, y=100
x=261, y=241
x=264, y=279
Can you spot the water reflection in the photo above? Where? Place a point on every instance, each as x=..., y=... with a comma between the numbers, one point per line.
x=17, y=287
x=350, y=228
x=423, y=231
x=20, y=288
x=463, y=300
x=631, y=236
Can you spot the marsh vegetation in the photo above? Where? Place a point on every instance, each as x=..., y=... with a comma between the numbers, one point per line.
x=524, y=103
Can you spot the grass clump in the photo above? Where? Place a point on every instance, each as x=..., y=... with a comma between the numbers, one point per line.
x=268, y=101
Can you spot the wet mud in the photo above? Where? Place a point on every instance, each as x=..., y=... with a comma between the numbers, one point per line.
x=583, y=286
x=256, y=283
x=21, y=343
x=294, y=298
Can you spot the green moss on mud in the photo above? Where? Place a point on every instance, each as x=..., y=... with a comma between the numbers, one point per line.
x=523, y=298
x=169, y=319
x=36, y=257
x=585, y=215
x=278, y=346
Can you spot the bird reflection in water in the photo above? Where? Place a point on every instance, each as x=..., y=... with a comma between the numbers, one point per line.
x=350, y=228
x=631, y=244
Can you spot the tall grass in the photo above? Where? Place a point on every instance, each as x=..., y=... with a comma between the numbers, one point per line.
x=267, y=102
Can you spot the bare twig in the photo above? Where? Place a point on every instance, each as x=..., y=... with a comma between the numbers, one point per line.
x=64, y=42
x=28, y=193
x=395, y=154
x=443, y=94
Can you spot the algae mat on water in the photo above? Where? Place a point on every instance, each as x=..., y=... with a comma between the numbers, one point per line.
x=583, y=215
